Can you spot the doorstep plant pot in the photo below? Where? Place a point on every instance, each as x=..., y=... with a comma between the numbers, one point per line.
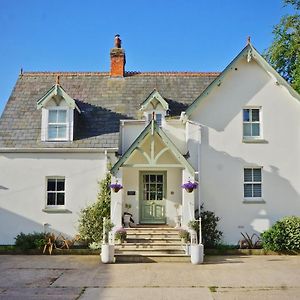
x=197, y=253
x=116, y=189
x=189, y=190
x=107, y=253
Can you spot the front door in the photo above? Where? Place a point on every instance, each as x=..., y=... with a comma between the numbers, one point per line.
x=152, y=203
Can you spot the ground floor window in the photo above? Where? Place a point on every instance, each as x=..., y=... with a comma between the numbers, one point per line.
x=55, y=191
x=252, y=183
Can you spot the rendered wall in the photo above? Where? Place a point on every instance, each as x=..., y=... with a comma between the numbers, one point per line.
x=23, y=190
x=224, y=155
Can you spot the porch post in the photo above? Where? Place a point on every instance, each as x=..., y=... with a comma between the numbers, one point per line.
x=188, y=200
x=116, y=202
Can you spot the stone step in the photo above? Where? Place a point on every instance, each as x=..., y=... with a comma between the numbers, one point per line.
x=149, y=235
x=148, y=240
x=149, y=251
x=139, y=246
x=144, y=258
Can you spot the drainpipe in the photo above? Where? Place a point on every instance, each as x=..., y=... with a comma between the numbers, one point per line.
x=198, y=173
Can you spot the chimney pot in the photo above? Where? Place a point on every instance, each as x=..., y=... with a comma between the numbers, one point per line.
x=117, y=59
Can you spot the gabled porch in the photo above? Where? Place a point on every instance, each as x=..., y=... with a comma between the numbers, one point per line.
x=152, y=171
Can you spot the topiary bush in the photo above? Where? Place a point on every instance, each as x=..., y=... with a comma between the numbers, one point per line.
x=91, y=217
x=30, y=241
x=284, y=235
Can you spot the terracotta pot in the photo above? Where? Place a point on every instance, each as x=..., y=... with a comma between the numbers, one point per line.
x=189, y=190
x=116, y=189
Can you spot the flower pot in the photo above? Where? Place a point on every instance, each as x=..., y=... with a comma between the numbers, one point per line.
x=116, y=189
x=107, y=253
x=189, y=190
x=197, y=254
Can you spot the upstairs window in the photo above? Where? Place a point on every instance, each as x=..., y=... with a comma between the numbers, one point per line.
x=55, y=192
x=57, y=124
x=252, y=183
x=158, y=117
x=251, y=123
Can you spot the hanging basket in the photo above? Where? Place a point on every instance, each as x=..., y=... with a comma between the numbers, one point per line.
x=190, y=186
x=116, y=187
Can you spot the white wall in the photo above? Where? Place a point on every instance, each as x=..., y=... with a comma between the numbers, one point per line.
x=224, y=155
x=23, y=190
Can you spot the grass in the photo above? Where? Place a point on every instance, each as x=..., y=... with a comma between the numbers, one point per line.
x=7, y=247
x=213, y=289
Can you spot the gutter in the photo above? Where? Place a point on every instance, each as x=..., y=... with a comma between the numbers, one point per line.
x=58, y=150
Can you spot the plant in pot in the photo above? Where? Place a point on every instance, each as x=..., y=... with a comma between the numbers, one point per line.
x=190, y=186
x=107, y=249
x=197, y=250
x=127, y=216
x=116, y=186
x=185, y=239
x=120, y=235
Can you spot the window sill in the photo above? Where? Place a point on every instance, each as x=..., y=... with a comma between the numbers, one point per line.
x=254, y=141
x=254, y=201
x=56, y=210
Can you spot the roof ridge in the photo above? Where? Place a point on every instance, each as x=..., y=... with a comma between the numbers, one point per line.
x=127, y=73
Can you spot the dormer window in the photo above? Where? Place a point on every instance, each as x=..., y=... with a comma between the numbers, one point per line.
x=155, y=106
x=57, y=115
x=58, y=124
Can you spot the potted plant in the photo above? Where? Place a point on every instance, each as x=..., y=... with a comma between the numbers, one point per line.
x=120, y=235
x=127, y=216
x=190, y=186
x=185, y=239
x=197, y=250
x=116, y=186
x=107, y=249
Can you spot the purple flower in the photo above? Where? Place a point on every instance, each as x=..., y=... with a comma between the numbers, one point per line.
x=190, y=185
x=116, y=186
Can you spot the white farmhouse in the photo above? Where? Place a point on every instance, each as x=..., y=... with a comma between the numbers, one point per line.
x=236, y=133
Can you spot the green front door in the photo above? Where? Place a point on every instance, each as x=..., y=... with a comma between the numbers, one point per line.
x=152, y=202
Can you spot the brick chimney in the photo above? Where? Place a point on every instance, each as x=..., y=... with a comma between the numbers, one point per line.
x=117, y=59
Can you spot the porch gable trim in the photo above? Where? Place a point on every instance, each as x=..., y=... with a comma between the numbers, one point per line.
x=134, y=146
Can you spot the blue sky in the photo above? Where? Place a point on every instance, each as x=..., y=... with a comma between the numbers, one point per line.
x=170, y=35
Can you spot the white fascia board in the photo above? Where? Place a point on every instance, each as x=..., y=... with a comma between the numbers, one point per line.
x=57, y=150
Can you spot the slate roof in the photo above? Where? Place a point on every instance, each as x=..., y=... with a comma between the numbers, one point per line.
x=103, y=102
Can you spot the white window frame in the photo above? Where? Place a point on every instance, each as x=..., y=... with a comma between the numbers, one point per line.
x=252, y=183
x=55, y=206
x=251, y=137
x=69, y=124
x=148, y=116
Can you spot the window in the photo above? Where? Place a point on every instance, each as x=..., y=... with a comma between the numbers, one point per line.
x=252, y=183
x=55, y=191
x=57, y=124
x=157, y=117
x=251, y=123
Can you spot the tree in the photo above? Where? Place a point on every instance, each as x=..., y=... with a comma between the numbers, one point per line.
x=91, y=217
x=284, y=53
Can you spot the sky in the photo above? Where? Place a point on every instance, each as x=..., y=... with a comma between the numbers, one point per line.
x=157, y=35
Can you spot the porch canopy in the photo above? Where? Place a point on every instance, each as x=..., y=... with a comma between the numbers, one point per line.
x=152, y=150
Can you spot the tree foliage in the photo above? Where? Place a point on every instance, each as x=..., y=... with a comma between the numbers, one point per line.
x=91, y=217
x=284, y=53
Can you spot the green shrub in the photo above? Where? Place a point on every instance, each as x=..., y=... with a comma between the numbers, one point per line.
x=30, y=241
x=91, y=217
x=211, y=236
x=284, y=235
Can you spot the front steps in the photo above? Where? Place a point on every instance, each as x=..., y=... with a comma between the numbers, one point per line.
x=156, y=244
